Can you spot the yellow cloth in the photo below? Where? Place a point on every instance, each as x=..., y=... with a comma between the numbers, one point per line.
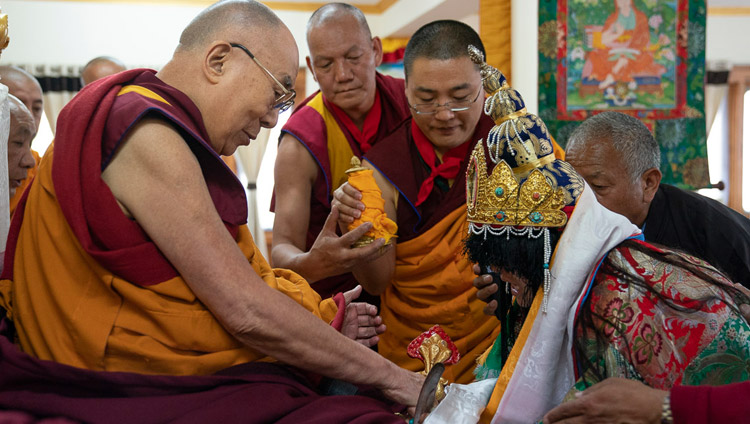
x=29, y=176
x=558, y=151
x=382, y=226
x=339, y=150
x=432, y=284
x=69, y=309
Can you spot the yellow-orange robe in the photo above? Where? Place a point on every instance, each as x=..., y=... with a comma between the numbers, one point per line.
x=433, y=279
x=85, y=286
x=432, y=282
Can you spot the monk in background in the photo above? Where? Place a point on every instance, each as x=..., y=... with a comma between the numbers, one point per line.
x=20, y=157
x=100, y=67
x=26, y=88
x=130, y=252
x=354, y=110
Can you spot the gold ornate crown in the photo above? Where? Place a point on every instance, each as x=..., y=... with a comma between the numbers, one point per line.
x=499, y=199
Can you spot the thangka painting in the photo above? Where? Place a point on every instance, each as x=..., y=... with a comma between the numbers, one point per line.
x=645, y=58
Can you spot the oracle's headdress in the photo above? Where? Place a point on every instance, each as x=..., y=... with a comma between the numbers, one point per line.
x=515, y=187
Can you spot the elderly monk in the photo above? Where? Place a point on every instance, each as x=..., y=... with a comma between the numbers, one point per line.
x=129, y=252
x=100, y=67
x=22, y=131
x=355, y=108
x=619, y=158
x=26, y=88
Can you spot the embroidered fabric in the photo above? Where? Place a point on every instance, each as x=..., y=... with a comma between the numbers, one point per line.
x=545, y=368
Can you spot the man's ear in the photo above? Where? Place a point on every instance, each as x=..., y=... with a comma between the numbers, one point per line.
x=377, y=48
x=310, y=67
x=217, y=56
x=650, y=180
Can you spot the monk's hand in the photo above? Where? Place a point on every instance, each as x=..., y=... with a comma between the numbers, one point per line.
x=348, y=200
x=613, y=400
x=485, y=290
x=361, y=320
x=403, y=387
x=334, y=254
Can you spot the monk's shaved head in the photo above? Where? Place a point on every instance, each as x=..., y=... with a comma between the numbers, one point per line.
x=22, y=131
x=100, y=67
x=333, y=12
x=20, y=113
x=26, y=88
x=235, y=60
x=226, y=15
x=441, y=40
x=13, y=73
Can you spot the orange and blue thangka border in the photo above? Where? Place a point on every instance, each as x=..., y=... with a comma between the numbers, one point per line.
x=662, y=47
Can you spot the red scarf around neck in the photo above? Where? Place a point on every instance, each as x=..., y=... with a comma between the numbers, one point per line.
x=364, y=137
x=448, y=169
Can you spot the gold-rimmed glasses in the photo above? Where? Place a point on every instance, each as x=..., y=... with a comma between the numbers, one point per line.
x=454, y=106
x=283, y=101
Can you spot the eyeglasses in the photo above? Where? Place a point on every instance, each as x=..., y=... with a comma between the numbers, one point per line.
x=455, y=106
x=286, y=99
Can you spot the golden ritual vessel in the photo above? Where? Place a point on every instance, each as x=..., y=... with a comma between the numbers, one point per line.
x=434, y=347
x=382, y=227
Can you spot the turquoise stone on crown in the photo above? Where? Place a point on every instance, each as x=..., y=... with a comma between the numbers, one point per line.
x=536, y=217
x=499, y=191
x=500, y=216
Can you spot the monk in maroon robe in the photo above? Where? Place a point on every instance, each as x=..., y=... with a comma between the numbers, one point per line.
x=355, y=108
x=131, y=278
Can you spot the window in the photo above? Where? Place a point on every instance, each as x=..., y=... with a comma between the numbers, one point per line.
x=739, y=110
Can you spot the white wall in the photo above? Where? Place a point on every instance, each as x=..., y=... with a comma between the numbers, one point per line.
x=524, y=58
x=56, y=32
x=727, y=39
x=72, y=33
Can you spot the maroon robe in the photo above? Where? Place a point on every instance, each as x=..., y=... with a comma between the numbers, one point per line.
x=308, y=128
x=407, y=173
x=250, y=392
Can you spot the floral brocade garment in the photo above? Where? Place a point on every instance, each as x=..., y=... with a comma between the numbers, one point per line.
x=660, y=345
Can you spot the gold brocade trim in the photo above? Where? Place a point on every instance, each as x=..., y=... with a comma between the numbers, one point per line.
x=513, y=115
x=499, y=198
x=538, y=163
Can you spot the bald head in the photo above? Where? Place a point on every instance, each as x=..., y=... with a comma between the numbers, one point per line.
x=100, y=67
x=21, y=114
x=235, y=61
x=441, y=40
x=333, y=13
x=22, y=131
x=227, y=15
x=344, y=57
x=26, y=88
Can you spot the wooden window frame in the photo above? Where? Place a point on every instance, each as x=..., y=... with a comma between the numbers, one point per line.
x=739, y=84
